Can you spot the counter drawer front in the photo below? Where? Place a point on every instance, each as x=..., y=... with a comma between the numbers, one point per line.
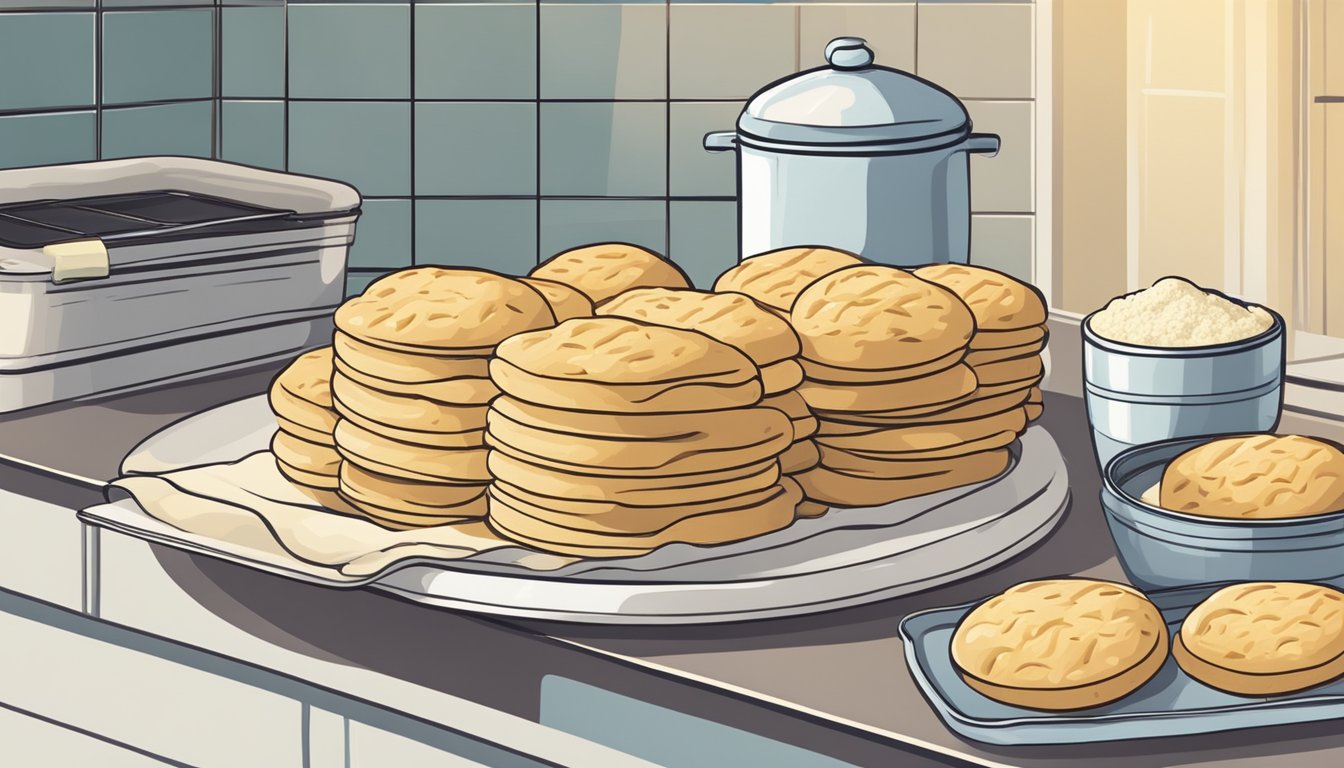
x=149, y=703
x=40, y=554
x=30, y=741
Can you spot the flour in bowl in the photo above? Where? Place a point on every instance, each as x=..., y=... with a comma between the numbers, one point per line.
x=1176, y=313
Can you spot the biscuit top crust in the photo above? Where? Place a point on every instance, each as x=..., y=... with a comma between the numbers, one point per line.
x=443, y=308
x=776, y=278
x=1058, y=633
x=607, y=269
x=1256, y=477
x=732, y=318
x=879, y=317
x=308, y=377
x=998, y=301
x=1267, y=627
x=566, y=302
x=616, y=350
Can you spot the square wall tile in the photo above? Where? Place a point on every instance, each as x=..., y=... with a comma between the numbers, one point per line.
x=166, y=129
x=356, y=282
x=350, y=51
x=476, y=148
x=568, y=224
x=1004, y=183
x=382, y=235
x=252, y=52
x=60, y=46
x=704, y=239
x=614, y=149
x=253, y=133
x=146, y=3
x=729, y=51
x=493, y=234
x=61, y=137
x=466, y=51
x=694, y=171
x=158, y=55
x=979, y=50
x=603, y=51
x=1005, y=243
x=888, y=28
x=367, y=144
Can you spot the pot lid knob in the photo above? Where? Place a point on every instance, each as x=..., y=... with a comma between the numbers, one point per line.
x=849, y=53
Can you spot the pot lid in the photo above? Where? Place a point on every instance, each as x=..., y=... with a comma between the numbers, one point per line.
x=853, y=101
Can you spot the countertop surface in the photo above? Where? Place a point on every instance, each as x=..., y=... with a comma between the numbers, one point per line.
x=844, y=669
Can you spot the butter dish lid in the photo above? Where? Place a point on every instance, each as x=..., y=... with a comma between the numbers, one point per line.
x=853, y=101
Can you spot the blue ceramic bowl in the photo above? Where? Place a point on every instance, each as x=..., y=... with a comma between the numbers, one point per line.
x=1159, y=548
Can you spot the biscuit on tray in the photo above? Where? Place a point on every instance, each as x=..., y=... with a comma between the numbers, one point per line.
x=776, y=278
x=1061, y=644
x=1264, y=638
x=607, y=269
x=301, y=393
x=1256, y=477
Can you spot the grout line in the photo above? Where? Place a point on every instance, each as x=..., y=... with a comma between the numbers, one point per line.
x=667, y=130
x=415, y=252
x=557, y=100
x=216, y=84
x=98, y=80
x=916, y=58
x=284, y=139
x=537, y=106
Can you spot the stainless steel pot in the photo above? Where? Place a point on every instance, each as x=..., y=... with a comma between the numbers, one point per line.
x=855, y=156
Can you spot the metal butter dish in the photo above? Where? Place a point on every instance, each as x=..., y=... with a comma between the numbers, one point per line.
x=1171, y=704
x=122, y=273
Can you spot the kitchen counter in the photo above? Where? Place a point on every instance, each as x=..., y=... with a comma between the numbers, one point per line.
x=362, y=675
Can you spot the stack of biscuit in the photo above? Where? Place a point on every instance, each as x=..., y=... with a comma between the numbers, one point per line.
x=762, y=335
x=604, y=270
x=883, y=352
x=613, y=437
x=776, y=278
x=411, y=384
x=1010, y=331
x=300, y=398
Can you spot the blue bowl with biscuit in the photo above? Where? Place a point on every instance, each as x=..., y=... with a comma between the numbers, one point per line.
x=1160, y=548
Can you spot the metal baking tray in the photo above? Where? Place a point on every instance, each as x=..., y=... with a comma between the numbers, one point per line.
x=1171, y=704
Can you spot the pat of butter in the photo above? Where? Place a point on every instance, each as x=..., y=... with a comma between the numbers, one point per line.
x=78, y=260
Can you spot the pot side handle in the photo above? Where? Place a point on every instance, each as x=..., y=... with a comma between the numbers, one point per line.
x=976, y=144
x=725, y=141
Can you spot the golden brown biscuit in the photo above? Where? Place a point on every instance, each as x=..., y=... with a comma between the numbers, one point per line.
x=397, y=518
x=879, y=317
x=948, y=386
x=406, y=412
x=781, y=377
x=877, y=453
x=776, y=278
x=607, y=269
x=965, y=410
x=461, y=466
x=1061, y=644
x=307, y=433
x=428, y=309
x=643, y=520
x=1264, y=638
x=732, y=318
x=636, y=426
x=841, y=489
x=411, y=497
x=836, y=375
x=999, y=302
x=809, y=508
x=301, y=393
x=602, y=397
x=898, y=465
x=795, y=407
x=707, y=529
x=566, y=303
x=995, y=390
x=800, y=457
x=409, y=368
x=922, y=437
x=984, y=356
x=311, y=480
x=765, y=435
x=1259, y=477
x=472, y=438
x=1004, y=371
x=1004, y=339
x=314, y=458
x=643, y=491
x=583, y=507
x=1035, y=405
x=465, y=391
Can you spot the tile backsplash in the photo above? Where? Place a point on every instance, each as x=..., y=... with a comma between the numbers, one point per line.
x=496, y=132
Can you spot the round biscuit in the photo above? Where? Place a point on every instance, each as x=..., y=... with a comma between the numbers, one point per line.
x=604, y=270
x=999, y=302
x=402, y=495
x=907, y=466
x=691, y=396
x=367, y=449
x=876, y=453
x=920, y=437
x=986, y=339
x=305, y=479
x=732, y=318
x=800, y=457
x=836, y=375
x=642, y=521
x=463, y=391
x=578, y=507
x=566, y=303
x=637, y=426
x=441, y=308
x=984, y=356
x=319, y=436
x=1256, y=477
x=313, y=458
x=407, y=412
x=964, y=410
x=395, y=365
x=879, y=317
x=645, y=491
x=1061, y=644
x=841, y=489
x=301, y=393
x=776, y=278
x=947, y=387
x=1004, y=371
